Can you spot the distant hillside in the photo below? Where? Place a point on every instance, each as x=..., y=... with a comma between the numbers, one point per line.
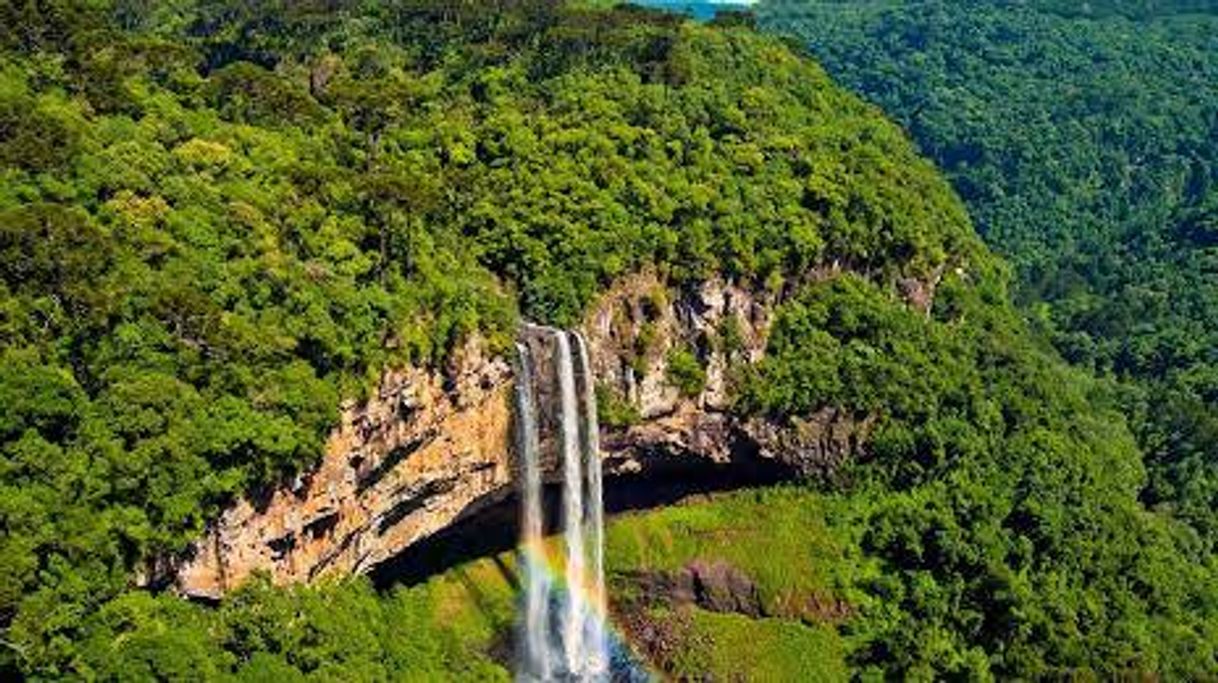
x=1084, y=139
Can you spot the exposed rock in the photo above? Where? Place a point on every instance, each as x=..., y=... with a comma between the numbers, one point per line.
x=715, y=586
x=398, y=468
x=921, y=293
x=659, y=641
x=633, y=332
x=815, y=446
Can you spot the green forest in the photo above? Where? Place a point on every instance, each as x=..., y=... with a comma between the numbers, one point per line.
x=1085, y=144
x=220, y=219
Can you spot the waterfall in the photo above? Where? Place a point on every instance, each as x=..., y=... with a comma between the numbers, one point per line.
x=572, y=506
x=598, y=655
x=534, y=647
x=578, y=647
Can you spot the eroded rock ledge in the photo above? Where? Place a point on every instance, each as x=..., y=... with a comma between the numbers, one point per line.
x=432, y=448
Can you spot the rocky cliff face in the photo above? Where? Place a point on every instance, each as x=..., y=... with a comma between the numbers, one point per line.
x=427, y=448
x=641, y=330
x=431, y=448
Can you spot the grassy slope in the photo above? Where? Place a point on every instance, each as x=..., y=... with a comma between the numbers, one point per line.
x=778, y=537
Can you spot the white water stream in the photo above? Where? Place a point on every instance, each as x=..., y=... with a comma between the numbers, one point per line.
x=573, y=647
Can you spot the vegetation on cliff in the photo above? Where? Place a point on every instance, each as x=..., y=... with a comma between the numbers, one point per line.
x=218, y=219
x=994, y=517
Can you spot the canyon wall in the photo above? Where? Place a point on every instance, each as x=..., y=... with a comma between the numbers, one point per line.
x=433, y=447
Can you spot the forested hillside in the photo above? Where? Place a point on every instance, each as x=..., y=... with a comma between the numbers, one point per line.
x=1084, y=138
x=218, y=219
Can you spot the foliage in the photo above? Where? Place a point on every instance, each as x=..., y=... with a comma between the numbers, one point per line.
x=734, y=647
x=778, y=537
x=1084, y=138
x=219, y=219
x=613, y=410
x=995, y=506
x=338, y=631
x=685, y=372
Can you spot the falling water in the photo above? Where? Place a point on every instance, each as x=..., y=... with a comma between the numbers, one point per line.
x=578, y=650
x=572, y=507
x=594, y=508
x=535, y=647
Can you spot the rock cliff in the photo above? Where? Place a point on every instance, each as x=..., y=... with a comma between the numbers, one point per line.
x=431, y=448
x=424, y=449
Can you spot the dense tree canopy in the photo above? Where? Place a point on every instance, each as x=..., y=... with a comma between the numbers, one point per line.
x=997, y=497
x=218, y=219
x=1084, y=139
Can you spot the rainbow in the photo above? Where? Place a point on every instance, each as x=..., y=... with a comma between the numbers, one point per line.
x=621, y=662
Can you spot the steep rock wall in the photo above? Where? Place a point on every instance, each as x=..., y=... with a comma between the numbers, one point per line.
x=426, y=448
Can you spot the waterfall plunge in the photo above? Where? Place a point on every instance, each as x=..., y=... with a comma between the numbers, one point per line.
x=572, y=506
x=535, y=646
x=581, y=650
x=598, y=649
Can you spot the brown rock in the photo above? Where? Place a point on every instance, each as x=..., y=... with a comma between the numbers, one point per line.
x=632, y=332
x=399, y=467
x=715, y=586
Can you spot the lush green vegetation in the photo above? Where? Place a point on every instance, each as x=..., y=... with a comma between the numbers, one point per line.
x=1084, y=139
x=734, y=647
x=218, y=219
x=344, y=631
x=456, y=625
x=998, y=502
x=685, y=372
